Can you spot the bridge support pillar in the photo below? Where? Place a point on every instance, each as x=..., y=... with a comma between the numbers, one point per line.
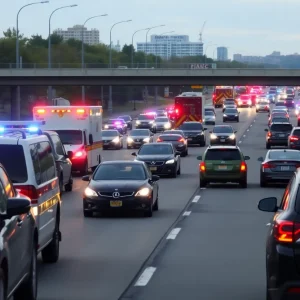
x=15, y=103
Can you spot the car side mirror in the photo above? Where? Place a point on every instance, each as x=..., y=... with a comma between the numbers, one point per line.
x=86, y=178
x=177, y=153
x=268, y=204
x=155, y=178
x=133, y=154
x=70, y=154
x=17, y=206
x=199, y=157
x=261, y=159
x=91, y=141
x=247, y=157
x=266, y=130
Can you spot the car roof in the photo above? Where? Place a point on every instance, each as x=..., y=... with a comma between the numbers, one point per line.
x=174, y=134
x=193, y=122
x=222, y=147
x=136, y=162
x=284, y=150
x=225, y=125
x=281, y=123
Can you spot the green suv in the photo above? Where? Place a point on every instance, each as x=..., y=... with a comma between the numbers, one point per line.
x=223, y=164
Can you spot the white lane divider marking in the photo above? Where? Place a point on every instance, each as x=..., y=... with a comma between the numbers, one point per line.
x=240, y=142
x=173, y=234
x=244, y=135
x=196, y=199
x=202, y=188
x=145, y=276
x=186, y=213
x=251, y=125
x=247, y=129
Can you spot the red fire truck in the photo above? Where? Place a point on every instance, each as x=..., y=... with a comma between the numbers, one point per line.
x=221, y=93
x=188, y=107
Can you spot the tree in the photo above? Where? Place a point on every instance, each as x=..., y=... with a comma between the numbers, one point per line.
x=127, y=49
x=12, y=33
x=37, y=41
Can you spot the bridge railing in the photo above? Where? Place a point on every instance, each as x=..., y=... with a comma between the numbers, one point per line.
x=123, y=66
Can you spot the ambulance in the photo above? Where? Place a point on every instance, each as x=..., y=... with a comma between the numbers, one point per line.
x=80, y=130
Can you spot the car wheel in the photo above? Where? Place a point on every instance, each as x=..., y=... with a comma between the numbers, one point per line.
x=202, y=144
x=224, y=120
x=243, y=183
x=88, y=214
x=85, y=169
x=238, y=120
x=50, y=254
x=268, y=146
x=28, y=289
x=262, y=182
x=179, y=170
x=69, y=185
x=149, y=212
x=156, y=204
x=202, y=183
x=174, y=175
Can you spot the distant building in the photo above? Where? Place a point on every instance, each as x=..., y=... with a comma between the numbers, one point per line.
x=167, y=46
x=222, y=54
x=116, y=47
x=90, y=37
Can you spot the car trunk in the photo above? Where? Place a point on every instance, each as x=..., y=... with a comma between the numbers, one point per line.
x=283, y=165
x=232, y=166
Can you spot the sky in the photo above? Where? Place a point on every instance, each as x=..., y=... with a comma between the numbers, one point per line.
x=248, y=27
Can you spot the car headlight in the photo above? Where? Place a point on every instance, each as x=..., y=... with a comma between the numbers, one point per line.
x=106, y=126
x=249, y=102
x=257, y=106
x=143, y=192
x=236, y=115
x=116, y=140
x=129, y=140
x=213, y=136
x=297, y=111
x=147, y=140
x=240, y=102
x=167, y=125
x=151, y=122
x=224, y=115
x=232, y=137
x=137, y=122
x=90, y=193
x=169, y=162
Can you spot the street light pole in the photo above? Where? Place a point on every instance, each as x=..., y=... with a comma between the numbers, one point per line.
x=132, y=48
x=82, y=52
x=110, y=64
x=49, y=44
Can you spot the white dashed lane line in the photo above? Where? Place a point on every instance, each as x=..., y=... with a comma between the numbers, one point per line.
x=187, y=213
x=173, y=234
x=196, y=199
x=145, y=276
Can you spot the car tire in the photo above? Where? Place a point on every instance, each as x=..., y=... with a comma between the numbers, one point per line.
x=174, y=175
x=88, y=214
x=50, y=253
x=69, y=185
x=149, y=212
x=3, y=285
x=262, y=182
x=202, y=183
x=156, y=204
x=238, y=120
x=224, y=120
x=28, y=289
x=85, y=169
x=202, y=144
x=179, y=170
x=268, y=146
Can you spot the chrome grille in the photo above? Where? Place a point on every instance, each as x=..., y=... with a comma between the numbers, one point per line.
x=156, y=163
x=110, y=194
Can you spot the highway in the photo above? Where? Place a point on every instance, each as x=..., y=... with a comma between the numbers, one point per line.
x=218, y=254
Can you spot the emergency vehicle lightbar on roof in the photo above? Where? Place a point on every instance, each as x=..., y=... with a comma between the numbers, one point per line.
x=21, y=126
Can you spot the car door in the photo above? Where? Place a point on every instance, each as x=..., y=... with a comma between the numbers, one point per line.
x=63, y=158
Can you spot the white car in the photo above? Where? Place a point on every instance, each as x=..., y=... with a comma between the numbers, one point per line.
x=209, y=118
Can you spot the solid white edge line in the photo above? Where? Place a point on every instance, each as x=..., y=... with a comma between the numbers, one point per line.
x=145, y=276
x=196, y=199
x=173, y=234
x=186, y=213
x=247, y=129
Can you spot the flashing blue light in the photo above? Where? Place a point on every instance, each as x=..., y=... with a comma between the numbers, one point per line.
x=33, y=129
x=2, y=129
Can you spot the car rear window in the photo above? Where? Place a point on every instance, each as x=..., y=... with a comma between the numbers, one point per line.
x=223, y=154
x=284, y=155
x=281, y=127
x=296, y=132
x=191, y=126
x=13, y=159
x=171, y=137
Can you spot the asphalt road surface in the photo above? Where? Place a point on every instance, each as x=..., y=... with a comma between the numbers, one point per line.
x=217, y=254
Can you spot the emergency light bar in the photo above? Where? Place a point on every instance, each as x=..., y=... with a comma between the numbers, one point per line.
x=31, y=126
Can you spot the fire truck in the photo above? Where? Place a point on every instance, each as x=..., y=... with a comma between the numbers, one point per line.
x=188, y=107
x=221, y=93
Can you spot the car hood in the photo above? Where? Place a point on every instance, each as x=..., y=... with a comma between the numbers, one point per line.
x=108, y=138
x=231, y=113
x=120, y=185
x=192, y=131
x=154, y=157
x=139, y=137
x=223, y=134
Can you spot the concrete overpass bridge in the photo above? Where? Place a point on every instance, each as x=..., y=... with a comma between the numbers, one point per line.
x=147, y=77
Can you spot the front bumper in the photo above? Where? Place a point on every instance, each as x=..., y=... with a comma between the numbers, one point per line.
x=228, y=118
x=165, y=169
x=135, y=144
x=144, y=126
x=110, y=145
x=209, y=121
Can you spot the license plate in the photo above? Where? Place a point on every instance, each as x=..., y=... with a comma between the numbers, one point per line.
x=153, y=168
x=222, y=167
x=285, y=168
x=190, y=139
x=222, y=140
x=116, y=203
x=281, y=135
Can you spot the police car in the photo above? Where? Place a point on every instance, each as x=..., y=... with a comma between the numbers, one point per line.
x=27, y=155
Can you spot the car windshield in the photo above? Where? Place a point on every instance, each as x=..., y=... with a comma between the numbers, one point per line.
x=125, y=118
x=13, y=159
x=230, y=111
x=223, y=129
x=281, y=127
x=107, y=133
x=229, y=102
x=156, y=149
x=284, y=155
x=70, y=137
x=120, y=171
x=171, y=137
x=191, y=126
x=161, y=120
x=145, y=117
x=223, y=154
x=140, y=132
x=209, y=113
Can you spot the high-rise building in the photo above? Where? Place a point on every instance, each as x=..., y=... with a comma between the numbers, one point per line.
x=222, y=54
x=90, y=37
x=167, y=46
x=116, y=47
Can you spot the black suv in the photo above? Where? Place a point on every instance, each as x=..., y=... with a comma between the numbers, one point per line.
x=278, y=134
x=195, y=133
x=283, y=247
x=19, y=243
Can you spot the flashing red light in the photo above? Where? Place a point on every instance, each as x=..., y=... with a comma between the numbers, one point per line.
x=293, y=138
x=243, y=167
x=177, y=111
x=202, y=167
x=29, y=191
x=159, y=140
x=118, y=123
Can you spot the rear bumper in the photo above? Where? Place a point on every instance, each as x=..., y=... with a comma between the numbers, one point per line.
x=223, y=177
x=196, y=140
x=278, y=142
x=283, y=293
x=275, y=177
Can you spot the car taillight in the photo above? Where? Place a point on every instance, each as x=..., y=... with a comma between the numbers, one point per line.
x=269, y=134
x=286, y=231
x=181, y=140
x=81, y=153
x=268, y=166
x=294, y=290
x=202, y=167
x=294, y=138
x=159, y=140
x=243, y=167
x=29, y=191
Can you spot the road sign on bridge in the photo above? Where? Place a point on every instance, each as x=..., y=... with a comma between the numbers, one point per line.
x=203, y=66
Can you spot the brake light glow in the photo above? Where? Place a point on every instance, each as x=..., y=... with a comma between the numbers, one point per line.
x=286, y=231
x=294, y=290
x=159, y=140
x=293, y=138
x=181, y=140
x=80, y=154
x=29, y=191
x=268, y=166
x=243, y=167
x=202, y=167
